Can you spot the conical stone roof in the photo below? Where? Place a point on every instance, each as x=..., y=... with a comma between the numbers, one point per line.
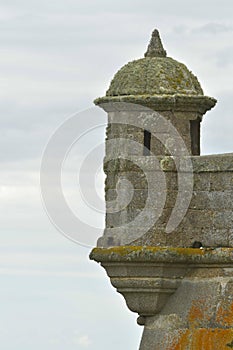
x=154, y=75
x=157, y=81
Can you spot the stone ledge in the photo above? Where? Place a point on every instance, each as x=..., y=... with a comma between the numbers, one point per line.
x=176, y=102
x=195, y=164
x=147, y=254
x=148, y=277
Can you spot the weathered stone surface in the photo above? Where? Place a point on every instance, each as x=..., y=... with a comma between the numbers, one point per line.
x=201, y=181
x=209, y=214
x=191, y=256
x=222, y=180
x=198, y=283
x=155, y=47
x=205, y=321
x=223, y=219
x=164, y=102
x=154, y=76
x=183, y=295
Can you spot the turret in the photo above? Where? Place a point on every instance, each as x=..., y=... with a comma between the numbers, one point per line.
x=155, y=106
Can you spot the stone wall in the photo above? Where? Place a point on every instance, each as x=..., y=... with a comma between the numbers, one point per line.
x=167, y=129
x=209, y=216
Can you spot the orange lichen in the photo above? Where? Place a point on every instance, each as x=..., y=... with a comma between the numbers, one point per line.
x=181, y=343
x=197, y=338
x=198, y=313
x=204, y=339
x=224, y=314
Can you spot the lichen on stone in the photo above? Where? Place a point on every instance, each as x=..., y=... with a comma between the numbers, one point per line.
x=154, y=76
x=163, y=254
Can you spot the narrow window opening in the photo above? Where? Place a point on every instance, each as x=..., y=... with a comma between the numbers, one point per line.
x=147, y=142
x=195, y=136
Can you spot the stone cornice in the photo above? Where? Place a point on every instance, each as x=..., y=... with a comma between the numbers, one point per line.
x=177, y=103
x=146, y=254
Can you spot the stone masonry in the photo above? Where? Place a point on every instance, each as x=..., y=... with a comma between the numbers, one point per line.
x=168, y=242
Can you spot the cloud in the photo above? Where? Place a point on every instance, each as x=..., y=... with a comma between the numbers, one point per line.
x=49, y=264
x=84, y=341
x=43, y=273
x=213, y=28
x=217, y=127
x=224, y=59
x=25, y=259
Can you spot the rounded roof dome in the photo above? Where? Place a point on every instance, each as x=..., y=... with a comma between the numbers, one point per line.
x=155, y=74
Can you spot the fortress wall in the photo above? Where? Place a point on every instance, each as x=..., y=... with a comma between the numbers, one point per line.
x=209, y=216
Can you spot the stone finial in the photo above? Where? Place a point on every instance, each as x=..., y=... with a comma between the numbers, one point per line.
x=155, y=47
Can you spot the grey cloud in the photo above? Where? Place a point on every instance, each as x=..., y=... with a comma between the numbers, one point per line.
x=28, y=138
x=212, y=29
x=217, y=127
x=224, y=58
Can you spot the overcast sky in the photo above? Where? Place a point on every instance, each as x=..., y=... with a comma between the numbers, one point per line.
x=55, y=58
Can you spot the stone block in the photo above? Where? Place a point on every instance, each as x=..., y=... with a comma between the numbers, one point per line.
x=157, y=148
x=200, y=200
x=198, y=219
x=120, y=148
x=171, y=179
x=116, y=219
x=137, y=178
x=182, y=126
x=219, y=200
x=201, y=181
x=230, y=237
x=223, y=219
x=220, y=181
x=215, y=237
